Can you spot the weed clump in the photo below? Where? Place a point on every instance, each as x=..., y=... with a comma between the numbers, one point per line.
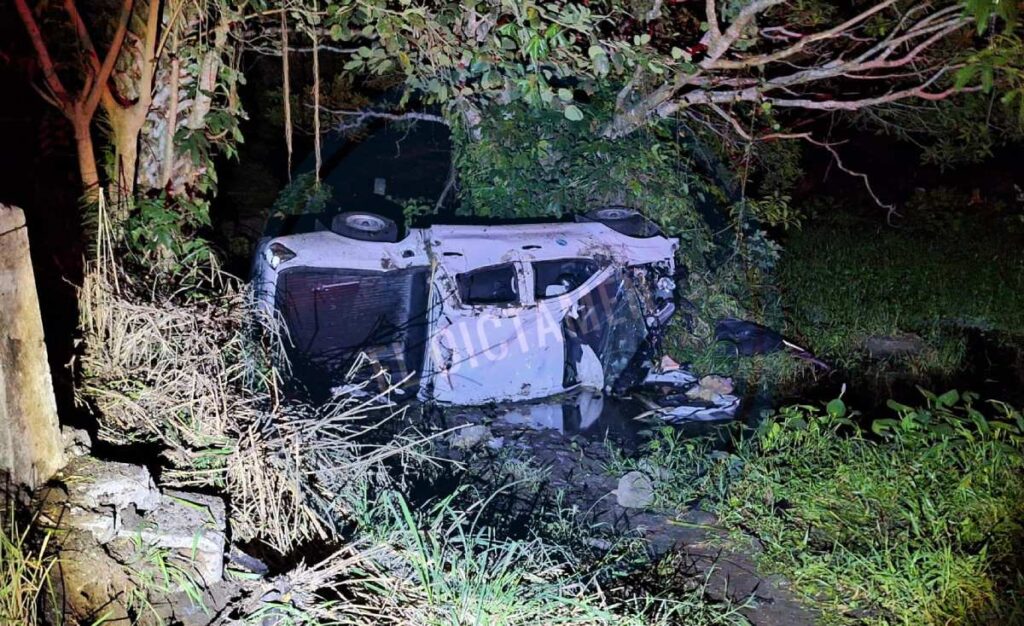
x=187, y=364
x=915, y=520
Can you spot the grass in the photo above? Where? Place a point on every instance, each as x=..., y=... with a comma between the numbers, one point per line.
x=441, y=566
x=194, y=371
x=156, y=573
x=24, y=573
x=917, y=520
x=844, y=281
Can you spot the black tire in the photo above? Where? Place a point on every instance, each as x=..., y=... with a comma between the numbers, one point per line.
x=623, y=219
x=365, y=227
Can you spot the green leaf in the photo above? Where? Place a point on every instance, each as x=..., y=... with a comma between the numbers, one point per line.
x=949, y=398
x=882, y=427
x=595, y=51
x=836, y=408
x=565, y=95
x=573, y=113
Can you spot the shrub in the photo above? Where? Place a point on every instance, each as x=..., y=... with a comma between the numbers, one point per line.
x=916, y=521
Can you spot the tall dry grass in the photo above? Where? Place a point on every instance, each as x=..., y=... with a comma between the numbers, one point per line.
x=194, y=371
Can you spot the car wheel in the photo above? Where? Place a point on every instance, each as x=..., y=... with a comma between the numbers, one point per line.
x=365, y=227
x=624, y=220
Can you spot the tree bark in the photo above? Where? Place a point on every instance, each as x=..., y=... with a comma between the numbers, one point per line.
x=86, y=157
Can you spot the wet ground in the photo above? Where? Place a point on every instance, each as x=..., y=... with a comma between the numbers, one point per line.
x=528, y=458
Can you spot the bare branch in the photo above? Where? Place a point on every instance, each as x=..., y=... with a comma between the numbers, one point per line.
x=45, y=60
x=717, y=46
x=799, y=46
x=362, y=116
x=714, y=31
x=100, y=80
x=861, y=175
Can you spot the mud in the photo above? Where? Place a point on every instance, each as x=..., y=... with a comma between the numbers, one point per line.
x=567, y=463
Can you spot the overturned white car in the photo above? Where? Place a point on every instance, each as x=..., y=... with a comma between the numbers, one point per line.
x=476, y=314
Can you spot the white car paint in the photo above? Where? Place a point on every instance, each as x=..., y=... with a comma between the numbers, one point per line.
x=478, y=354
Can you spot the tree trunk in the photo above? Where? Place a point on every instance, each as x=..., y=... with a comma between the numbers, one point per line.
x=86, y=158
x=125, y=127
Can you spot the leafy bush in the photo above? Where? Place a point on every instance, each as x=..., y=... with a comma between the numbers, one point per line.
x=917, y=522
x=529, y=163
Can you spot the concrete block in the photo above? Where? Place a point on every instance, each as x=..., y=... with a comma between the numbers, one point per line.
x=190, y=523
x=96, y=485
x=31, y=448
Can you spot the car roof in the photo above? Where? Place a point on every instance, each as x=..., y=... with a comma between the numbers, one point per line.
x=461, y=248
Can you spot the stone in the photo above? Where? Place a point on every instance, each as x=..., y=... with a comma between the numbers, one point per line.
x=635, y=491
x=77, y=442
x=31, y=448
x=469, y=436
x=884, y=347
x=655, y=471
x=699, y=517
x=97, y=485
x=110, y=516
x=190, y=523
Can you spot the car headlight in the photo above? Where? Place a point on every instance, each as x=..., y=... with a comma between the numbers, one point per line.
x=277, y=253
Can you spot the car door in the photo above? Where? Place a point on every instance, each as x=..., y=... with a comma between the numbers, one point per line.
x=493, y=341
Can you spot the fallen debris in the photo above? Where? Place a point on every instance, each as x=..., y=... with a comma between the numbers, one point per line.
x=135, y=547
x=469, y=437
x=635, y=491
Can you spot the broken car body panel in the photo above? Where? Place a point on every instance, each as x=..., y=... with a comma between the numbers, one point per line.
x=476, y=314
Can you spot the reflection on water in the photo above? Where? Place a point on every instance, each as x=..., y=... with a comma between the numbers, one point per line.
x=587, y=414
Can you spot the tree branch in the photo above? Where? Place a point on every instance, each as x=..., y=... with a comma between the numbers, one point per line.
x=60, y=95
x=100, y=80
x=799, y=46
x=363, y=116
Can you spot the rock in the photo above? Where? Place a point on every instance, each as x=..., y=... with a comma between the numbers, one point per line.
x=114, y=520
x=100, y=485
x=699, y=517
x=77, y=442
x=31, y=449
x=883, y=347
x=191, y=524
x=655, y=471
x=469, y=436
x=635, y=491
x=710, y=388
x=497, y=443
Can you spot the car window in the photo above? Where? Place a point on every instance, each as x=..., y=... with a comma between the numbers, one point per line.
x=554, y=278
x=611, y=323
x=496, y=284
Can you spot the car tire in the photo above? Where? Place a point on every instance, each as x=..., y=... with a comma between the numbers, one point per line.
x=624, y=220
x=365, y=227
